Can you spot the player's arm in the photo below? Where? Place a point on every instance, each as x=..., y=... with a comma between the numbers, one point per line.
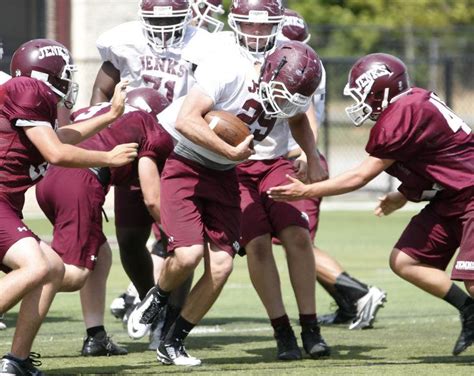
x=150, y=185
x=190, y=122
x=303, y=134
x=107, y=77
x=58, y=153
x=300, y=163
x=344, y=183
x=75, y=133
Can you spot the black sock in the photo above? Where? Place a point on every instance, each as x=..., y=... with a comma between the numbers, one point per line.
x=164, y=295
x=280, y=321
x=180, y=329
x=92, y=332
x=350, y=287
x=171, y=314
x=458, y=298
x=308, y=320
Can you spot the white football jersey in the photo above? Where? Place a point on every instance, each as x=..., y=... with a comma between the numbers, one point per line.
x=169, y=72
x=231, y=81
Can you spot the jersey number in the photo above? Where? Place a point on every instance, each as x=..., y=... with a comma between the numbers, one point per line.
x=156, y=85
x=263, y=126
x=454, y=121
x=91, y=111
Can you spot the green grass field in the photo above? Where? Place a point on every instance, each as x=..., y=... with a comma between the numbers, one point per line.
x=414, y=332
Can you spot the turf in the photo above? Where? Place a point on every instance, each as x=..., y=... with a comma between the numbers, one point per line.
x=414, y=332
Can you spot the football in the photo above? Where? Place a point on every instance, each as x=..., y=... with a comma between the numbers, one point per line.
x=227, y=126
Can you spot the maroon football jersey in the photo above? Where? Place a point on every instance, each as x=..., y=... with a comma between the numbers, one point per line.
x=432, y=145
x=134, y=126
x=21, y=164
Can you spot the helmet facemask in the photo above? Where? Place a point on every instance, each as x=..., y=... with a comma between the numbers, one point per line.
x=360, y=111
x=203, y=15
x=369, y=104
x=164, y=27
x=256, y=45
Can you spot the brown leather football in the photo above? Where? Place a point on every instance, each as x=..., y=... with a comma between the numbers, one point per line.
x=227, y=126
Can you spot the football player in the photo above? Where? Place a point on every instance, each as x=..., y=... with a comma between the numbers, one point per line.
x=419, y=140
x=72, y=199
x=159, y=51
x=256, y=26
x=42, y=71
x=357, y=302
x=200, y=199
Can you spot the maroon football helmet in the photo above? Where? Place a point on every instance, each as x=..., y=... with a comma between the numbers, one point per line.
x=256, y=23
x=204, y=12
x=48, y=61
x=164, y=21
x=147, y=99
x=295, y=27
x=374, y=81
x=289, y=77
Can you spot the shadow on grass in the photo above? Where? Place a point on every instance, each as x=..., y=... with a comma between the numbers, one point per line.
x=10, y=319
x=100, y=370
x=463, y=360
x=234, y=320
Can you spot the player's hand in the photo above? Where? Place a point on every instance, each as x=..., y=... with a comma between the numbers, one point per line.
x=389, y=203
x=316, y=172
x=296, y=190
x=301, y=167
x=122, y=154
x=118, y=100
x=243, y=150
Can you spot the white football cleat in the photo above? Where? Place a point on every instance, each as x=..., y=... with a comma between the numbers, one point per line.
x=175, y=353
x=367, y=308
x=135, y=329
x=144, y=313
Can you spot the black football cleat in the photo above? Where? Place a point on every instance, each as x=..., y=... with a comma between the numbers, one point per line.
x=313, y=342
x=287, y=347
x=466, y=338
x=13, y=366
x=101, y=345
